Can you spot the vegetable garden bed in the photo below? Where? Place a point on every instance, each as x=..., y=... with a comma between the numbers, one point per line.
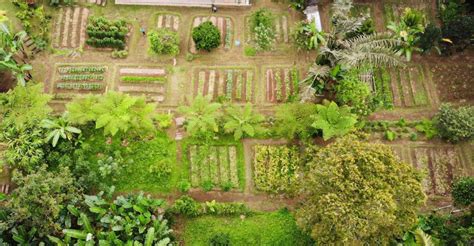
x=218, y=165
x=282, y=30
x=281, y=84
x=225, y=26
x=440, y=164
x=147, y=81
x=393, y=9
x=168, y=20
x=235, y=84
x=454, y=81
x=72, y=79
x=70, y=27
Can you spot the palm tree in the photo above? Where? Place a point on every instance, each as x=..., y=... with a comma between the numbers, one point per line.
x=243, y=121
x=356, y=51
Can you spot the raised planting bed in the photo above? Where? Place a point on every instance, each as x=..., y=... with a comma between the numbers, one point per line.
x=281, y=84
x=70, y=27
x=409, y=87
x=147, y=81
x=441, y=164
x=106, y=34
x=73, y=79
x=214, y=164
x=276, y=168
x=235, y=84
x=168, y=20
x=225, y=26
x=282, y=30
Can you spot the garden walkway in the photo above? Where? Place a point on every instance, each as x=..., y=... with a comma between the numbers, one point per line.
x=186, y=3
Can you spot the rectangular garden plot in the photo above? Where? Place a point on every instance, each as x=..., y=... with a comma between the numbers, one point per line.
x=168, y=20
x=70, y=27
x=440, y=164
x=282, y=30
x=73, y=79
x=392, y=10
x=408, y=87
x=225, y=26
x=215, y=164
x=454, y=81
x=235, y=84
x=281, y=84
x=138, y=81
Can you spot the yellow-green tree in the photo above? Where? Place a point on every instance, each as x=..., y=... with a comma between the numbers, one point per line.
x=357, y=192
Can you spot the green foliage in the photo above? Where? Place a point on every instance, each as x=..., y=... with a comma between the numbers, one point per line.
x=243, y=122
x=430, y=39
x=114, y=112
x=35, y=22
x=184, y=186
x=338, y=212
x=164, y=42
x=207, y=185
x=164, y=121
x=143, y=79
x=59, y=128
x=293, y=120
x=206, y=36
x=307, y=36
x=201, y=117
x=428, y=128
x=277, y=169
x=333, y=120
x=12, y=44
x=220, y=239
x=390, y=135
x=38, y=203
x=459, y=31
x=262, y=26
x=454, y=124
x=274, y=228
x=103, y=33
x=449, y=11
x=450, y=229
x=353, y=92
x=186, y=206
x=250, y=51
x=132, y=219
x=121, y=54
x=463, y=191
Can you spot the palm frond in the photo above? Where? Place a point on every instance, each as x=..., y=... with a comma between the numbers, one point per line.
x=378, y=40
x=316, y=72
x=375, y=56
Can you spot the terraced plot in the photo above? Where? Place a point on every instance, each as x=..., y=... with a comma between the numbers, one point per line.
x=168, y=20
x=70, y=27
x=216, y=164
x=147, y=81
x=441, y=164
x=225, y=26
x=236, y=84
x=74, y=79
x=281, y=83
x=409, y=87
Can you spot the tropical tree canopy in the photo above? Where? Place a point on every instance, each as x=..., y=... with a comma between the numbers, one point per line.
x=243, y=121
x=358, y=192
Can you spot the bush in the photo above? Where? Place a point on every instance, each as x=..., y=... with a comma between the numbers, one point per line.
x=430, y=38
x=220, y=239
x=463, y=191
x=459, y=31
x=187, y=206
x=455, y=125
x=184, y=186
x=250, y=51
x=164, y=42
x=206, y=36
x=353, y=92
x=119, y=54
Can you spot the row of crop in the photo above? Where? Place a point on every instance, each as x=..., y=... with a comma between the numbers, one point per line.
x=80, y=86
x=81, y=69
x=143, y=79
x=240, y=83
x=383, y=92
x=228, y=34
x=106, y=43
x=81, y=77
x=106, y=33
x=216, y=165
x=290, y=79
x=276, y=168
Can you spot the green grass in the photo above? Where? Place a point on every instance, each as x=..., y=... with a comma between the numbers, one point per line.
x=272, y=229
x=142, y=79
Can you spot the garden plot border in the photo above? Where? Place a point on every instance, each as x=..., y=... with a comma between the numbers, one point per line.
x=240, y=162
x=428, y=156
x=116, y=81
x=249, y=155
x=265, y=88
x=73, y=94
x=176, y=26
x=225, y=45
x=221, y=81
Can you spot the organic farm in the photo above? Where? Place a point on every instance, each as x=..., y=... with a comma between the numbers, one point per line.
x=236, y=122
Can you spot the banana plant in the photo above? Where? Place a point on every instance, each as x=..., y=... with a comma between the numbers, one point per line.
x=59, y=128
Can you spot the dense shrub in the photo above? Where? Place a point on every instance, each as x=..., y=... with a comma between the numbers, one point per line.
x=454, y=124
x=206, y=36
x=450, y=229
x=459, y=31
x=353, y=92
x=463, y=191
x=164, y=41
x=186, y=206
x=430, y=38
x=220, y=239
x=293, y=120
